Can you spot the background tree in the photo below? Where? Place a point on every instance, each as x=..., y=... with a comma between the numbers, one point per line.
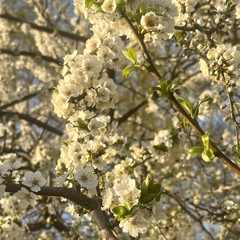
x=119, y=119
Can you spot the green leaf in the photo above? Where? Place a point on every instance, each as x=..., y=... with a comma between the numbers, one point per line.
x=121, y=3
x=148, y=198
x=148, y=180
x=89, y=3
x=196, y=150
x=162, y=147
x=66, y=143
x=143, y=7
x=187, y=105
x=128, y=69
x=155, y=188
x=82, y=125
x=120, y=212
x=144, y=189
x=195, y=112
x=165, y=87
x=131, y=55
x=158, y=89
x=207, y=155
x=177, y=81
x=185, y=124
x=206, y=140
x=180, y=35
x=206, y=99
x=149, y=191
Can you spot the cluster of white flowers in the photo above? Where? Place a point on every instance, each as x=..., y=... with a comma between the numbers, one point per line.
x=160, y=23
x=26, y=198
x=82, y=96
x=222, y=65
x=10, y=229
x=8, y=167
x=88, y=91
x=125, y=194
x=31, y=180
x=85, y=82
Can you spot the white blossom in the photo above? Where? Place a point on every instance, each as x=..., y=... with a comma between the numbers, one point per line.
x=34, y=180
x=26, y=198
x=127, y=191
x=150, y=21
x=86, y=177
x=134, y=224
x=109, y=6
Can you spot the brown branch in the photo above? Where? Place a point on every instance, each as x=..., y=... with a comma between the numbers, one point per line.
x=33, y=121
x=91, y=204
x=131, y=112
x=32, y=55
x=140, y=38
x=193, y=122
x=25, y=98
x=102, y=222
x=69, y=193
x=153, y=70
x=44, y=28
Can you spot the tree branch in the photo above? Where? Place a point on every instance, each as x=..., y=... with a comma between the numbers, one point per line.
x=43, y=28
x=131, y=112
x=69, y=193
x=91, y=204
x=32, y=55
x=25, y=98
x=200, y=132
x=33, y=121
x=153, y=70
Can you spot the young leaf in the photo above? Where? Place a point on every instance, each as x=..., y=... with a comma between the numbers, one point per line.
x=128, y=69
x=144, y=189
x=120, y=211
x=196, y=150
x=155, y=188
x=187, y=105
x=206, y=99
x=185, y=124
x=89, y=3
x=148, y=198
x=206, y=140
x=131, y=55
x=207, y=155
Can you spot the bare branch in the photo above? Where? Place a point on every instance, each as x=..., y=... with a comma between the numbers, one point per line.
x=25, y=98
x=33, y=121
x=32, y=55
x=77, y=197
x=44, y=29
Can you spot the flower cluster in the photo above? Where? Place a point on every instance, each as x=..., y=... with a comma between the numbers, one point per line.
x=82, y=97
x=8, y=167
x=222, y=65
x=112, y=139
x=160, y=23
x=133, y=204
x=34, y=181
